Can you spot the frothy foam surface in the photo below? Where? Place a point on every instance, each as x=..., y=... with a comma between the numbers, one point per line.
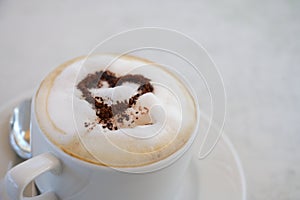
x=139, y=115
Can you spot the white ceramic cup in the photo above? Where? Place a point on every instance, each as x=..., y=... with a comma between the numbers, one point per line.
x=61, y=176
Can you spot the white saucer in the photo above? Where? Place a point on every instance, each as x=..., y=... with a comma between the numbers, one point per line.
x=219, y=176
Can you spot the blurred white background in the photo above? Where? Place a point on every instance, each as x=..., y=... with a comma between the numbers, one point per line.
x=255, y=44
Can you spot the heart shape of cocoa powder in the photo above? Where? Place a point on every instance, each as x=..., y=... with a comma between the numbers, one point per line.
x=104, y=111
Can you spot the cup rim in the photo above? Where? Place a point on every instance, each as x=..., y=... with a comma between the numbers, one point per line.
x=166, y=162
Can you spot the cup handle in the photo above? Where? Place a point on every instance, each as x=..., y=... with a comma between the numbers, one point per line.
x=21, y=175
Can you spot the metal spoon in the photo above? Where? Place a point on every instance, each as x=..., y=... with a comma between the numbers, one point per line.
x=20, y=129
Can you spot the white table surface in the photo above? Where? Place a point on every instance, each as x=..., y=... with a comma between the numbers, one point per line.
x=256, y=45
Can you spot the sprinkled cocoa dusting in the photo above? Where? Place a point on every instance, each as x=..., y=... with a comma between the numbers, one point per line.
x=110, y=115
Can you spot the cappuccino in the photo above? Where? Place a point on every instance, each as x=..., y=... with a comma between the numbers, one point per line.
x=116, y=111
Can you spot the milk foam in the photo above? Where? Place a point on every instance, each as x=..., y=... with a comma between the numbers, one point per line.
x=166, y=120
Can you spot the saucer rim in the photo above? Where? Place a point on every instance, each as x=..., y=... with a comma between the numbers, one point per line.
x=14, y=101
x=239, y=164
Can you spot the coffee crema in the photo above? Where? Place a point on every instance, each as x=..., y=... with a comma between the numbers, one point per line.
x=115, y=111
